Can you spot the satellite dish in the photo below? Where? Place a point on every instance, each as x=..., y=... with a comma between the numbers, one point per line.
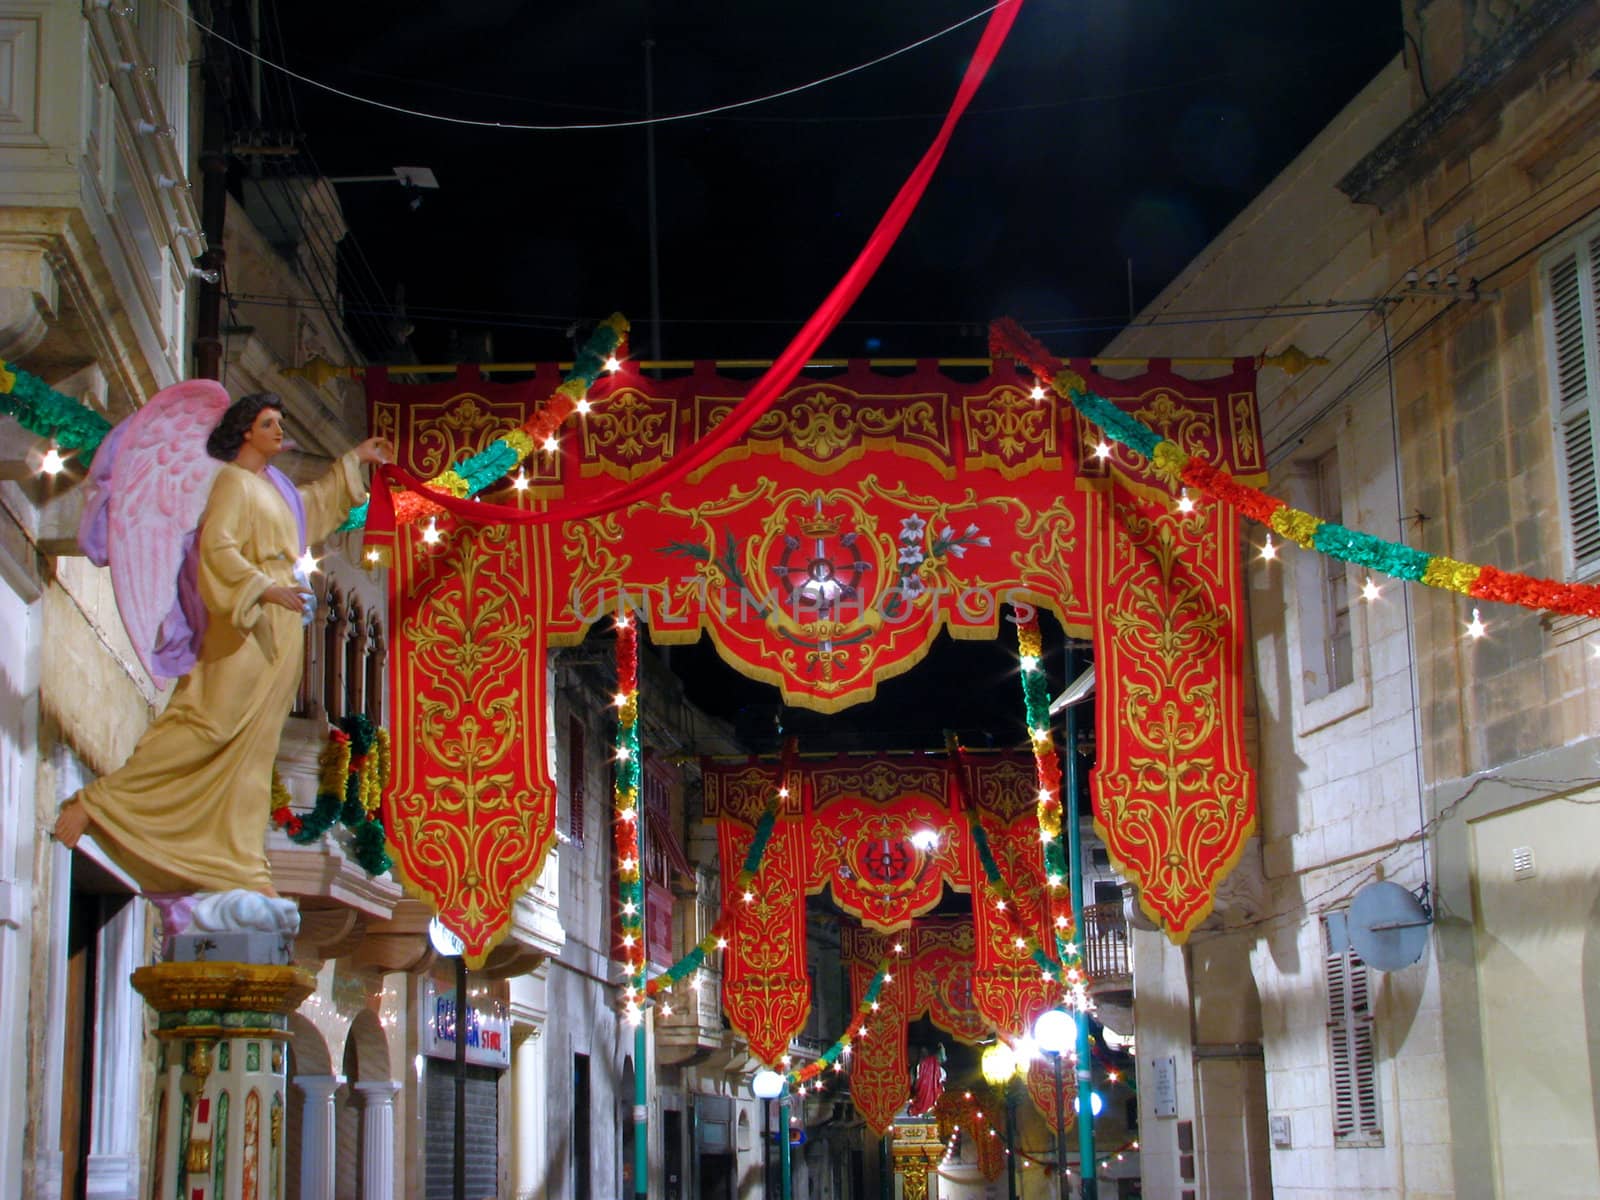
x=1388, y=926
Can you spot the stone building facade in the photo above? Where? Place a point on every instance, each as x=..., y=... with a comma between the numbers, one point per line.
x=1436, y=247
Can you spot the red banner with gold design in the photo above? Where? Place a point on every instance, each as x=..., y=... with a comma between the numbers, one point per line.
x=766, y=991
x=823, y=552
x=1009, y=987
x=932, y=977
x=880, y=1070
x=1174, y=796
x=470, y=810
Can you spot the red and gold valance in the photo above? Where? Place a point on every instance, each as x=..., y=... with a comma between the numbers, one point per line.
x=865, y=512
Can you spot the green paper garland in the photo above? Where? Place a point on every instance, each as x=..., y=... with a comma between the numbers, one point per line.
x=43, y=411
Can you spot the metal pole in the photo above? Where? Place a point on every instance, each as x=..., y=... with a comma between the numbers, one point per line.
x=1090, y=1188
x=783, y=1144
x=1011, y=1139
x=1061, y=1131
x=460, y=1189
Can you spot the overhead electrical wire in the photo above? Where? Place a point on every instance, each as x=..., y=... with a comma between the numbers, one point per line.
x=635, y=123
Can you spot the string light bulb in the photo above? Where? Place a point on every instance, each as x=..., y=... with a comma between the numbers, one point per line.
x=307, y=563
x=1269, y=549
x=1030, y=662
x=613, y=364
x=583, y=406
x=430, y=533
x=372, y=556
x=52, y=463
x=1370, y=591
x=1475, y=627
x=551, y=445
x=1102, y=450
x=1185, y=503
x=521, y=481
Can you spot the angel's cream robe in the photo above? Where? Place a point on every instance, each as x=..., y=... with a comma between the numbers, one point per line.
x=189, y=810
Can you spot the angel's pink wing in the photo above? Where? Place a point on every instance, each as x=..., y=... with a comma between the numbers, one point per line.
x=159, y=486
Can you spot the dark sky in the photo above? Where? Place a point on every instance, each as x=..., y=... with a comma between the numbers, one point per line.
x=1105, y=132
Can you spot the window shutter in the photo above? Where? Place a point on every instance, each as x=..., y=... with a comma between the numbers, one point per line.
x=1352, y=1049
x=1341, y=1059
x=1572, y=283
x=577, y=771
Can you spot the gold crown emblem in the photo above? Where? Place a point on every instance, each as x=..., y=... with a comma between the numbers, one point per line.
x=819, y=526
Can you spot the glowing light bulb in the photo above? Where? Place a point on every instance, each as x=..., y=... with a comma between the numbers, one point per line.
x=1102, y=450
x=620, y=699
x=372, y=556
x=1030, y=662
x=1044, y=795
x=1269, y=549
x=722, y=943
x=613, y=364
x=749, y=896
x=1037, y=392
x=521, y=481
x=52, y=463
x=1476, y=627
x=1185, y=504
x=430, y=533
x=1369, y=590
x=583, y=406
x=899, y=949
x=783, y=793
x=551, y=444
x=307, y=563
x=666, y=1009
x=623, y=753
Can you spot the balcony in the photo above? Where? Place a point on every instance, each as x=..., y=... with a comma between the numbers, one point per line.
x=693, y=1030
x=1106, y=954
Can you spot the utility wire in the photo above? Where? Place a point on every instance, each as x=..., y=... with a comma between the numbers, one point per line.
x=529, y=127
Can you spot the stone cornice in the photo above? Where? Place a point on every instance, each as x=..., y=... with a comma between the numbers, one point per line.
x=1470, y=101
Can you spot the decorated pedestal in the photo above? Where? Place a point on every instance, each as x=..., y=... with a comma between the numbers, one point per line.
x=916, y=1151
x=220, y=1076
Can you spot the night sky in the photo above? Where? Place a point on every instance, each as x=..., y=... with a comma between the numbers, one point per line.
x=1105, y=132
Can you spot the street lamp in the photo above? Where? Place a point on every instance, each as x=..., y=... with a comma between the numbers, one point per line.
x=999, y=1067
x=1055, y=1031
x=769, y=1085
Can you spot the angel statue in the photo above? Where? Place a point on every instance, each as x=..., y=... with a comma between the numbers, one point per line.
x=202, y=535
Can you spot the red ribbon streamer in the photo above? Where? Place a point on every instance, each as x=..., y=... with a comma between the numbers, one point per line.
x=778, y=377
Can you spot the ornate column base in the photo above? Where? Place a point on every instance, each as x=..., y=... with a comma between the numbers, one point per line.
x=220, y=1075
x=916, y=1152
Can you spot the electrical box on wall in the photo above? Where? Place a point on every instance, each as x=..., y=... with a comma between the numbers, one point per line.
x=1282, y=1133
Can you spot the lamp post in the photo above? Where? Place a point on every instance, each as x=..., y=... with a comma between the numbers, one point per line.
x=1055, y=1031
x=999, y=1067
x=1070, y=789
x=769, y=1085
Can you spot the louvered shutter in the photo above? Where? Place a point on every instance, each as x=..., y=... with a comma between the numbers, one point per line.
x=1352, y=1050
x=577, y=772
x=1572, y=281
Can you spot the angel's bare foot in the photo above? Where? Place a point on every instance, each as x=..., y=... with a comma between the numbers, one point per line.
x=71, y=822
